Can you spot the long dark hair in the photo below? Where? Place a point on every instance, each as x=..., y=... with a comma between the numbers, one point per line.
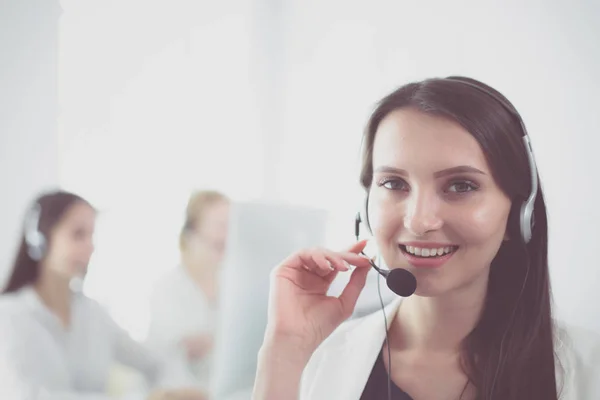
x=510, y=353
x=53, y=206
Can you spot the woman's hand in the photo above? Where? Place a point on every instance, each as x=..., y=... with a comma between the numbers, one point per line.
x=299, y=308
x=302, y=315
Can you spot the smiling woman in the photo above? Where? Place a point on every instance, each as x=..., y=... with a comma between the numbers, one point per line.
x=424, y=196
x=452, y=194
x=450, y=139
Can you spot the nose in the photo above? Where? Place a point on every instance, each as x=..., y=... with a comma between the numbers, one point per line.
x=422, y=214
x=90, y=246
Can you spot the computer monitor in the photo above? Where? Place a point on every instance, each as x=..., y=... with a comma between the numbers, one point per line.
x=261, y=235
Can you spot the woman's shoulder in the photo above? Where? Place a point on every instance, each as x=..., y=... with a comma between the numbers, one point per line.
x=578, y=361
x=353, y=331
x=18, y=317
x=350, y=350
x=350, y=334
x=17, y=303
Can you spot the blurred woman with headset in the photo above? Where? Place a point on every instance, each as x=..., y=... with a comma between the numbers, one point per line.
x=454, y=207
x=184, y=301
x=55, y=343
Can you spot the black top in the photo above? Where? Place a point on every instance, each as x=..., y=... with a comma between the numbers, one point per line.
x=377, y=385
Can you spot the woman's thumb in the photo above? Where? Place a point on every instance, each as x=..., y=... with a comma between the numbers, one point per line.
x=350, y=294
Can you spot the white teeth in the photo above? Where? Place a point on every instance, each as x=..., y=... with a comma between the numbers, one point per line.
x=427, y=252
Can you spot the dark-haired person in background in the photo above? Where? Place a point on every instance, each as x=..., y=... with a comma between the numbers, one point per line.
x=55, y=343
x=446, y=169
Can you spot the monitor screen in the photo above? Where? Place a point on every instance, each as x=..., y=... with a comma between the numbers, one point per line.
x=261, y=235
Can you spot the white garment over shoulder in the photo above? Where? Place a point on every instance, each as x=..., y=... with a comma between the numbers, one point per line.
x=340, y=367
x=41, y=360
x=180, y=309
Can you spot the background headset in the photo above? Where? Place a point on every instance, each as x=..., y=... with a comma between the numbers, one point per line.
x=34, y=239
x=404, y=283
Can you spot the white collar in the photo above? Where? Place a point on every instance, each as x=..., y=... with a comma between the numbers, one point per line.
x=346, y=358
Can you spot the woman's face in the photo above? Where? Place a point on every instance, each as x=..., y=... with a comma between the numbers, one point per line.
x=208, y=242
x=433, y=193
x=71, y=242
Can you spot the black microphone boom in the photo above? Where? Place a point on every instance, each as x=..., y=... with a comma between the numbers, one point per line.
x=400, y=281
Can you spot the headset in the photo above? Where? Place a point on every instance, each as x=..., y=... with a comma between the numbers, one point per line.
x=34, y=239
x=404, y=283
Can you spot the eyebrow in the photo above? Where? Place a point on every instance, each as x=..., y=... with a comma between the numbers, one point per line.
x=461, y=169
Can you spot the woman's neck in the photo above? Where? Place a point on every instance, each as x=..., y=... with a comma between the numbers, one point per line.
x=438, y=324
x=205, y=278
x=55, y=293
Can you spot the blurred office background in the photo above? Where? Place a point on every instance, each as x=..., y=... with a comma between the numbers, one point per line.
x=134, y=104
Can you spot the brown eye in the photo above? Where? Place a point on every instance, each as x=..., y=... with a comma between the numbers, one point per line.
x=462, y=187
x=393, y=184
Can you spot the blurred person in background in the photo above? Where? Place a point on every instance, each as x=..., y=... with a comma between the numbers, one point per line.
x=184, y=302
x=56, y=343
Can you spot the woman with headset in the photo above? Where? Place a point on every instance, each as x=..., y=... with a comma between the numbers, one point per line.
x=55, y=343
x=454, y=207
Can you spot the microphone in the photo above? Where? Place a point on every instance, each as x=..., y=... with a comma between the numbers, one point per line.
x=400, y=281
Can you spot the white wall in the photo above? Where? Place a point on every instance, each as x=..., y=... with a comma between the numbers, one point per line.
x=28, y=112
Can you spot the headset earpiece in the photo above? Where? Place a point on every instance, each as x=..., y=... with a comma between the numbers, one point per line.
x=365, y=214
x=526, y=217
x=35, y=240
x=526, y=222
x=362, y=217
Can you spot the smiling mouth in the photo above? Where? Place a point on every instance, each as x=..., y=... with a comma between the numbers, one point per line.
x=423, y=252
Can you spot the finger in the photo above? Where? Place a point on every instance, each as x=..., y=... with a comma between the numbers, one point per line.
x=357, y=247
x=322, y=269
x=324, y=261
x=358, y=260
x=334, y=264
x=352, y=290
x=335, y=260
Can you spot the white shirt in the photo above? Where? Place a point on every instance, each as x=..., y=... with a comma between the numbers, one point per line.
x=340, y=367
x=180, y=309
x=41, y=360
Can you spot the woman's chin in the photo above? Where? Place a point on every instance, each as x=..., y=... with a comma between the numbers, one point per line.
x=428, y=288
